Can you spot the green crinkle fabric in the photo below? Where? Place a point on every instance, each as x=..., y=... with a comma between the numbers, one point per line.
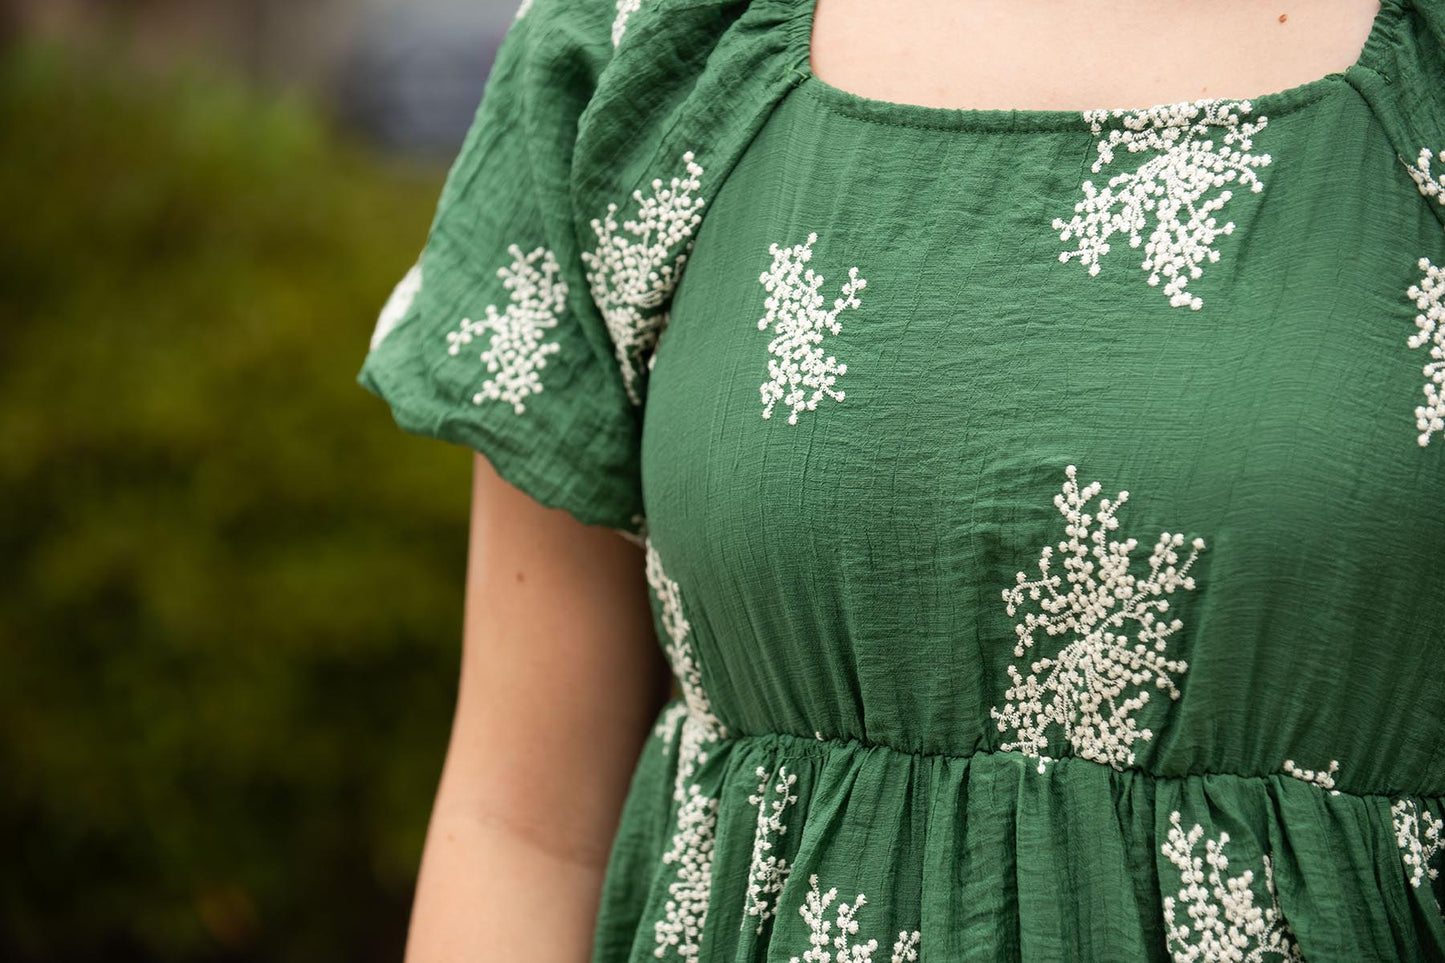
x=1041, y=509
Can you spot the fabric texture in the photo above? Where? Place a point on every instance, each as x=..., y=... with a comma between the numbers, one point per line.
x=1041, y=508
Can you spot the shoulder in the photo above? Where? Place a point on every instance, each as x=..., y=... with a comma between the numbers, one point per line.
x=609, y=30
x=1430, y=14
x=630, y=67
x=1401, y=76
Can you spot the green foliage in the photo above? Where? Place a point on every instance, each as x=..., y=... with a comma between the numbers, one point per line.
x=230, y=620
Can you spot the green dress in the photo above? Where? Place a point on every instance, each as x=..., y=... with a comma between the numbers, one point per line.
x=1044, y=510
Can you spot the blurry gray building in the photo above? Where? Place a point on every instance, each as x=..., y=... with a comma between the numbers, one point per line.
x=415, y=72
x=406, y=74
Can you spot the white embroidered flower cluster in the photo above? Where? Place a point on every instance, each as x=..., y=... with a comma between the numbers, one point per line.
x=685, y=912
x=1427, y=294
x=625, y=9
x=1430, y=186
x=516, y=351
x=1323, y=778
x=632, y=273
x=667, y=723
x=905, y=948
x=692, y=843
x=767, y=871
x=1084, y=688
x=700, y=726
x=1429, y=297
x=1223, y=925
x=794, y=310
x=1200, y=147
x=1419, y=837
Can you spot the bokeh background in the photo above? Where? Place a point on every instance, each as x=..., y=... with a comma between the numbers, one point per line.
x=231, y=602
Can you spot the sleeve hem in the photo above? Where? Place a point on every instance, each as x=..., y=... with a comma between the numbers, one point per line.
x=522, y=471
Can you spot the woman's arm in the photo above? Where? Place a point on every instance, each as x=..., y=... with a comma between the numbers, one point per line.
x=561, y=678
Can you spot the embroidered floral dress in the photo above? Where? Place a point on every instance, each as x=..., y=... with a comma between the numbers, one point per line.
x=1044, y=510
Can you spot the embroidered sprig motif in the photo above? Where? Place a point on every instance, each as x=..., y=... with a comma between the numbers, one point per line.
x=1430, y=330
x=692, y=843
x=699, y=727
x=666, y=726
x=1085, y=688
x=685, y=911
x=794, y=310
x=1223, y=922
x=1430, y=186
x=1323, y=778
x=632, y=273
x=516, y=350
x=767, y=871
x=397, y=304
x=905, y=948
x=1199, y=147
x=1427, y=294
x=1419, y=836
x=625, y=9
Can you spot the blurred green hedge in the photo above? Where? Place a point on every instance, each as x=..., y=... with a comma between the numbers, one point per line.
x=231, y=609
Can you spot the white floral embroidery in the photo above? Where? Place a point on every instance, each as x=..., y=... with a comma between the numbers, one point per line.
x=1419, y=837
x=1322, y=778
x=667, y=723
x=1227, y=926
x=1429, y=185
x=697, y=734
x=692, y=841
x=767, y=871
x=699, y=727
x=633, y=276
x=625, y=9
x=905, y=948
x=1084, y=684
x=795, y=312
x=685, y=912
x=1429, y=296
x=1173, y=185
x=516, y=351
x=397, y=304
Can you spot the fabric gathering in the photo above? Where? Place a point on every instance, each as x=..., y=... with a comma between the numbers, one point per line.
x=1041, y=509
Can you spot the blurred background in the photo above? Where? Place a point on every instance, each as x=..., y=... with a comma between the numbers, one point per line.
x=230, y=611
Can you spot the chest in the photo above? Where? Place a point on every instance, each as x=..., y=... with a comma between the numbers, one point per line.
x=880, y=358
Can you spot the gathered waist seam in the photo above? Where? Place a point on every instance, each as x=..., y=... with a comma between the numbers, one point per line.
x=819, y=745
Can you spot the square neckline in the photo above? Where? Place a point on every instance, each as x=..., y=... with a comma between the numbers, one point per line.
x=1019, y=119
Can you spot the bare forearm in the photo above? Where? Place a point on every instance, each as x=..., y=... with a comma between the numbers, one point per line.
x=520, y=834
x=491, y=891
x=561, y=680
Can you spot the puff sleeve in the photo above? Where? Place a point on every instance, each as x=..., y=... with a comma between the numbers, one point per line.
x=493, y=341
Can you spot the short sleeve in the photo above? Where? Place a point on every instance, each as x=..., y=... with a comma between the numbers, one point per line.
x=1402, y=78
x=492, y=340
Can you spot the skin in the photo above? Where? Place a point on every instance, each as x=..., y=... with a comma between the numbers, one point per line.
x=561, y=673
x=561, y=678
x=1073, y=54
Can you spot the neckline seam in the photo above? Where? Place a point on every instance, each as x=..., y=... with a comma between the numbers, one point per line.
x=1007, y=122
